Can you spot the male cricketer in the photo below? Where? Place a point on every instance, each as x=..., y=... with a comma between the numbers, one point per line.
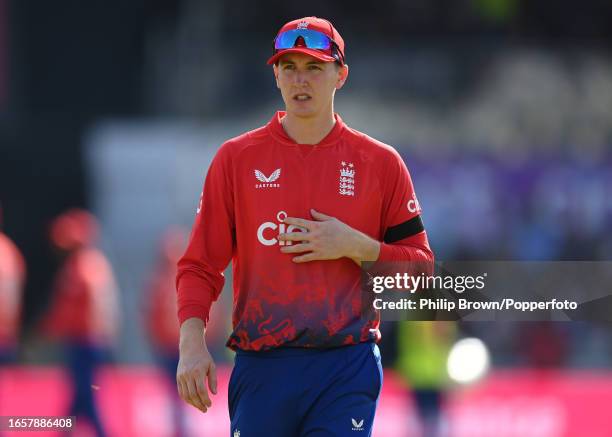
x=297, y=205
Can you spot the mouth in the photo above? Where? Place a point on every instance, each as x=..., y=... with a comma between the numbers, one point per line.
x=302, y=97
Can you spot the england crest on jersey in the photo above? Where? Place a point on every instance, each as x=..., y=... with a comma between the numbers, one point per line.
x=346, y=185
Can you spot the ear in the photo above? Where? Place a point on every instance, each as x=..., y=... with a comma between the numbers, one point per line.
x=275, y=69
x=342, y=76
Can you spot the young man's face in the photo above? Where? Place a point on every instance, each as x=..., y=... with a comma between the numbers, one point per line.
x=307, y=84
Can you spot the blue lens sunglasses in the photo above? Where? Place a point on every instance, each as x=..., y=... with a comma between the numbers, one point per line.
x=312, y=39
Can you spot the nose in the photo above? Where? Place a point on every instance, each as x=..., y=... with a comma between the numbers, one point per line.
x=300, y=77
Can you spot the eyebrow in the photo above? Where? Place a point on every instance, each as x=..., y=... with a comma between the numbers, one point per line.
x=286, y=62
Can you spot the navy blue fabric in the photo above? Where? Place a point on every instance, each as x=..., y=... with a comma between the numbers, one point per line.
x=297, y=392
x=83, y=360
x=7, y=356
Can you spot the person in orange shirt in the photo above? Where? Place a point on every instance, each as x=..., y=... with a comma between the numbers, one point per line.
x=84, y=311
x=12, y=277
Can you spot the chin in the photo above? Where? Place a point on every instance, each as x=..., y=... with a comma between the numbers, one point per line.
x=301, y=112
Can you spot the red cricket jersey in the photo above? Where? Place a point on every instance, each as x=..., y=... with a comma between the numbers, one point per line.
x=84, y=307
x=253, y=183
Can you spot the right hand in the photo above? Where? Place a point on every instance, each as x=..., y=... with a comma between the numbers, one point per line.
x=196, y=365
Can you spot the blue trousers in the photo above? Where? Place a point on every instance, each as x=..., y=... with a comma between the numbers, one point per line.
x=301, y=392
x=83, y=360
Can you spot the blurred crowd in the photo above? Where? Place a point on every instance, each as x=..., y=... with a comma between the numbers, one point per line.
x=83, y=318
x=512, y=103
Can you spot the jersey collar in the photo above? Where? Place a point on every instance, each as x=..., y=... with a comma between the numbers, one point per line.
x=276, y=130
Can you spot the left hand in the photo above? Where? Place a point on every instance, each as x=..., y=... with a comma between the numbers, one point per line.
x=327, y=238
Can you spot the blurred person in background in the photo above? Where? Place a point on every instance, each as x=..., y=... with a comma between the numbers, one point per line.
x=423, y=348
x=161, y=322
x=306, y=362
x=84, y=309
x=160, y=307
x=544, y=344
x=12, y=278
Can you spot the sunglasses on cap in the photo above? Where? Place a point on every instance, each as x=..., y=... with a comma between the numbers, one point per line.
x=312, y=39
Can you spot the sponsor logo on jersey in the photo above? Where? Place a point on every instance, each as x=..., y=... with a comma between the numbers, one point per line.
x=357, y=426
x=236, y=433
x=268, y=231
x=267, y=181
x=413, y=204
x=346, y=184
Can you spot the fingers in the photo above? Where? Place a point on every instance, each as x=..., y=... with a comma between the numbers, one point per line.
x=212, y=379
x=194, y=395
x=297, y=248
x=202, y=392
x=188, y=394
x=295, y=236
x=191, y=381
x=182, y=389
x=308, y=224
x=319, y=215
x=305, y=258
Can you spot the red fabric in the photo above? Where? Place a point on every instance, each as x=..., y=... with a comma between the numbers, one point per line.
x=160, y=296
x=162, y=323
x=12, y=275
x=257, y=179
x=84, y=306
x=415, y=248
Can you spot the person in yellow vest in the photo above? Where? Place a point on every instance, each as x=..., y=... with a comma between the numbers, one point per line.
x=422, y=354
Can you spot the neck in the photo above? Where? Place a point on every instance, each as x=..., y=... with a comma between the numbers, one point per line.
x=308, y=130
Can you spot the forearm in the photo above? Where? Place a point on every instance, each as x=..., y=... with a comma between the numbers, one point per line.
x=192, y=333
x=363, y=248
